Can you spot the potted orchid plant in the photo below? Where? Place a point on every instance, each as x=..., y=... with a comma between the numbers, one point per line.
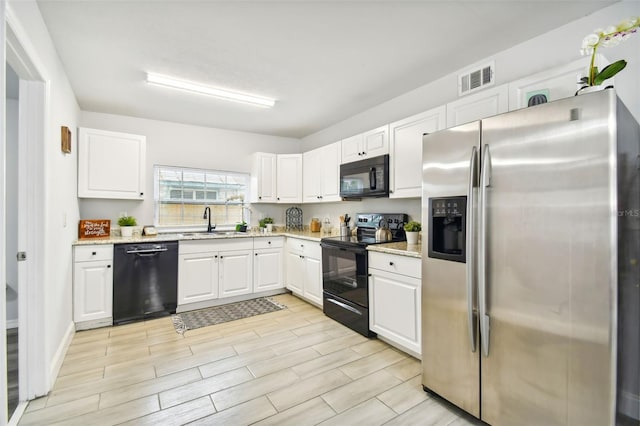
x=608, y=37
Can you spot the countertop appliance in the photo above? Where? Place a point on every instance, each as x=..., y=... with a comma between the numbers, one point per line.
x=530, y=297
x=145, y=281
x=365, y=178
x=345, y=276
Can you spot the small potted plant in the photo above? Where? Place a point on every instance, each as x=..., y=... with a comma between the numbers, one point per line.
x=267, y=222
x=412, y=229
x=241, y=227
x=126, y=225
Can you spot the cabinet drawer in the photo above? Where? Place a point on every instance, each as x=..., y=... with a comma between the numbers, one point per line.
x=313, y=249
x=268, y=242
x=410, y=266
x=88, y=253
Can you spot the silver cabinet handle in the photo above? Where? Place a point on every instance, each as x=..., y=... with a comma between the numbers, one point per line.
x=485, y=182
x=473, y=165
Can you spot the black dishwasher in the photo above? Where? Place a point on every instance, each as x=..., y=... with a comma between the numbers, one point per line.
x=145, y=281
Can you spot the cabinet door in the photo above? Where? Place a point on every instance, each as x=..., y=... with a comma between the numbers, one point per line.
x=330, y=172
x=311, y=172
x=480, y=105
x=376, y=142
x=405, y=146
x=92, y=290
x=267, y=270
x=295, y=272
x=197, y=277
x=289, y=181
x=313, y=279
x=236, y=273
x=394, y=308
x=111, y=165
x=352, y=149
x=263, y=178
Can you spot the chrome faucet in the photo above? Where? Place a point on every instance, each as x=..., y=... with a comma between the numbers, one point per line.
x=209, y=227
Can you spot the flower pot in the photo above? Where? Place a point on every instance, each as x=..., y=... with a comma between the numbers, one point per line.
x=126, y=231
x=591, y=89
x=412, y=237
x=269, y=227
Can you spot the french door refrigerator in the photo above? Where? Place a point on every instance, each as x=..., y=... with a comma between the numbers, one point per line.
x=530, y=298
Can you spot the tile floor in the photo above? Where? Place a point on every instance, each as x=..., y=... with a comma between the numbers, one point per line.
x=291, y=367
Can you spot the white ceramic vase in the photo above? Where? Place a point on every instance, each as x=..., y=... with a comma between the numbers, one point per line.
x=412, y=237
x=126, y=231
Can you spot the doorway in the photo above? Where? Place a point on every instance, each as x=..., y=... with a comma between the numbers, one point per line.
x=11, y=236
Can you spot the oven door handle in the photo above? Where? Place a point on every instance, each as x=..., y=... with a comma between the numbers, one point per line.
x=344, y=305
x=357, y=250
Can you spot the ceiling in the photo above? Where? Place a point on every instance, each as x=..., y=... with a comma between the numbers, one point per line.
x=323, y=61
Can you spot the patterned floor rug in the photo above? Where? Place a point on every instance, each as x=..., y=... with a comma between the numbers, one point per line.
x=224, y=313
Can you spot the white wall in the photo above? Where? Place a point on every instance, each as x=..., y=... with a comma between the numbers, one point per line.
x=555, y=48
x=60, y=214
x=173, y=144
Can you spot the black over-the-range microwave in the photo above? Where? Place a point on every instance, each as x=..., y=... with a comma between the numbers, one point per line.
x=365, y=178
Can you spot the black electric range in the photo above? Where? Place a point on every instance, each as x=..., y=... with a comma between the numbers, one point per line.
x=345, y=276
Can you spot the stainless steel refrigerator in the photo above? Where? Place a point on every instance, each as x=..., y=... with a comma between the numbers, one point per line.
x=531, y=264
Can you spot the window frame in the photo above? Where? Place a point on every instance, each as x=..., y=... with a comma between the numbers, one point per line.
x=204, y=202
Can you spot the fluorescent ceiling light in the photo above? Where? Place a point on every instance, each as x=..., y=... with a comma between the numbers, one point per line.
x=189, y=86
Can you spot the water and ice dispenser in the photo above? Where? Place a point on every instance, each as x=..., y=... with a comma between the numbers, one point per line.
x=447, y=228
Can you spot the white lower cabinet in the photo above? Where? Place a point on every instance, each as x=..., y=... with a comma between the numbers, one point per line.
x=268, y=264
x=304, y=269
x=212, y=269
x=236, y=273
x=92, y=286
x=395, y=298
x=197, y=277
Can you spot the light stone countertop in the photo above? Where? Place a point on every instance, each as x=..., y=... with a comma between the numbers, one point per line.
x=186, y=236
x=402, y=249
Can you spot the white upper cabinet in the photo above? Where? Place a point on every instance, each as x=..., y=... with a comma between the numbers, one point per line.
x=405, y=148
x=321, y=174
x=289, y=178
x=111, y=165
x=368, y=144
x=263, y=178
x=311, y=170
x=479, y=105
x=554, y=84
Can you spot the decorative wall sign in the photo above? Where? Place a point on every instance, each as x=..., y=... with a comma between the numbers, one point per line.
x=94, y=228
x=66, y=140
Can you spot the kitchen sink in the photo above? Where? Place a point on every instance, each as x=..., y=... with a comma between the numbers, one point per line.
x=212, y=233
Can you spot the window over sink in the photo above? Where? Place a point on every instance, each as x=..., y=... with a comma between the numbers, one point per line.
x=181, y=194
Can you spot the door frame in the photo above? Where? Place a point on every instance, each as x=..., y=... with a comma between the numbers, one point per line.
x=34, y=101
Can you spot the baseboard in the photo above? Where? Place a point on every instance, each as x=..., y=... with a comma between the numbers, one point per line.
x=226, y=300
x=12, y=323
x=58, y=358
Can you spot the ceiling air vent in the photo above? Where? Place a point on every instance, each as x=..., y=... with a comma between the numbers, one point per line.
x=475, y=79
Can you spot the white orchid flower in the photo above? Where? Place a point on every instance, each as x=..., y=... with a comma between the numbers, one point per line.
x=608, y=37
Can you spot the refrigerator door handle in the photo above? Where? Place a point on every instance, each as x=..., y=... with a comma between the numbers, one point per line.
x=473, y=162
x=485, y=182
